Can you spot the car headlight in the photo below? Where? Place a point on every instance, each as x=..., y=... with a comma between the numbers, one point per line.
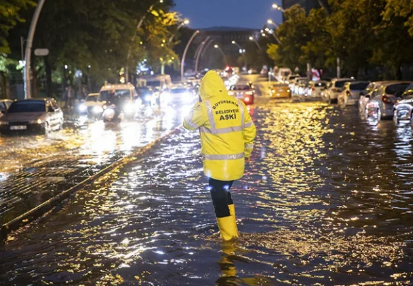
x=38, y=121
x=128, y=108
x=147, y=98
x=97, y=109
x=82, y=107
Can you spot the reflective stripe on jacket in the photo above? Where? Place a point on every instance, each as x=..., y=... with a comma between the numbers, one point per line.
x=227, y=130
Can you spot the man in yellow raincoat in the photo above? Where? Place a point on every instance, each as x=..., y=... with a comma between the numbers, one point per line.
x=227, y=138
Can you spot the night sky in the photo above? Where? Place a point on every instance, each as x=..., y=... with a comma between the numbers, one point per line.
x=229, y=13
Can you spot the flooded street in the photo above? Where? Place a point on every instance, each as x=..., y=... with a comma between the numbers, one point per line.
x=326, y=200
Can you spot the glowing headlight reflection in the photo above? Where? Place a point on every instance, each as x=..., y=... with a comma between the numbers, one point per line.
x=97, y=109
x=82, y=107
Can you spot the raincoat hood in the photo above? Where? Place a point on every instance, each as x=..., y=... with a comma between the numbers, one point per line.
x=212, y=85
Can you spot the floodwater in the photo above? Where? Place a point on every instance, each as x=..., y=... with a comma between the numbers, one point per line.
x=326, y=200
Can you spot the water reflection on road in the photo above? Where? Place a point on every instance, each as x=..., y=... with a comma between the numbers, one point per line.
x=327, y=200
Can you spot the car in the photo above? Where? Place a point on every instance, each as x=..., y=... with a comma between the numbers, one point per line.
x=335, y=87
x=32, y=115
x=366, y=94
x=280, y=90
x=177, y=95
x=403, y=109
x=294, y=84
x=243, y=91
x=303, y=86
x=4, y=105
x=382, y=99
x=316, y=88
x=131, y=103
x=351, y=93
x=91, y=105
x=253, y=71
x=147, y=95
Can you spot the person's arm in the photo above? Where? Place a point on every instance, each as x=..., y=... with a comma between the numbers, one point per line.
x=196, y=118
x=249, y=134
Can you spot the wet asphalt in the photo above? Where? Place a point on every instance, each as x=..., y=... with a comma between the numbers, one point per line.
x=326, y=200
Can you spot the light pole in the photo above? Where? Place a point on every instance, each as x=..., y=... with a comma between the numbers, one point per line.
x=242, y=53
x=133, y=39
x=271, y=22
x=198, y=55
x=272, y=32
x=185, y=22
x=277, y=7
x=222, y=52
x=258, y=45
x=184, y=55
x=28, y=53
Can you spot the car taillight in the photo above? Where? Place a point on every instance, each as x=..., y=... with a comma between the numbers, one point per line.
x=313, y=88
x=385, y=99
x=247, y=99
x=336, y=90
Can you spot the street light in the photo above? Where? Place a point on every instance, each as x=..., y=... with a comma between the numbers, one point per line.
x=222, y=52
x=258, y=45
x=271, y=22
x=275, y=6
x=242, y=51
x=185, y=51
x=185, y=22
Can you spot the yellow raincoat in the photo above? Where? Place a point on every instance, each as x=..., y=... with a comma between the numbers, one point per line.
x=227, y=130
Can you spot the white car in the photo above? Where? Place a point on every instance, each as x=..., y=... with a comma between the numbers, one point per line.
x=177, y=96
x=335, y=87
x=351, y=93
x=91, y=105
x=131, y=103
x=316, y=88
x=383, y=98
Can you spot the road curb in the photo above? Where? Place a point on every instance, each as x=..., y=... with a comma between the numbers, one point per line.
x=48, y=205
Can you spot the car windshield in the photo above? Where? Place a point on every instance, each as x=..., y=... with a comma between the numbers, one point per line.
x=241, y=87
x=179, y=90
x=359, y=86
x=143, y=90
x=341, y=83
x=122, y=93
x=153, y=83
x=27, y=106
x=396, y=88
x=91, y=98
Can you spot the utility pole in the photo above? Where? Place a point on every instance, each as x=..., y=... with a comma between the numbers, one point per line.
x=184, y=55
x=28, y=53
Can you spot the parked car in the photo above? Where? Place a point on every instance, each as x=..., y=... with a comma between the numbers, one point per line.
x=280, y=90
x=294, y=85
x=351, y=93
x=4, y=105
x=403, y=109
x=303, y=86
x=36, y=115
x=335, y=87
x=382, y=99
x=316, y=88
x=366, y=94
x=243, y=91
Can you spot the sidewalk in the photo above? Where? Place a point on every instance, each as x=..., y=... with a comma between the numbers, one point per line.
x=151, y=221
